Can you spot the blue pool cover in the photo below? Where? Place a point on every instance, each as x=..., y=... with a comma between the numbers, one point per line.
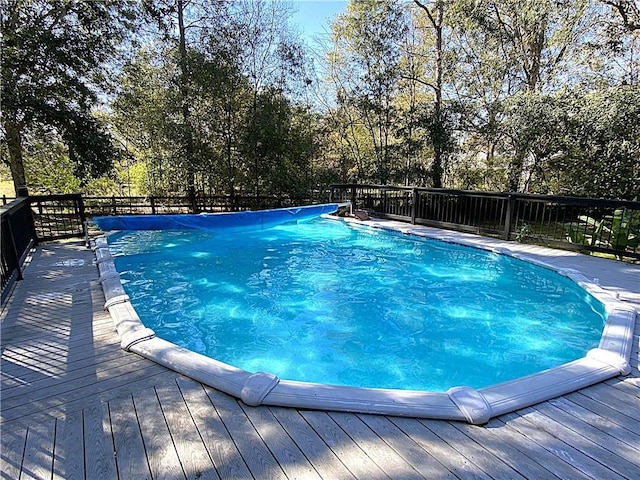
x=259, y=219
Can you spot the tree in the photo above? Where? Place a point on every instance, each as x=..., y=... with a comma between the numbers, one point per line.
x=629, y=12
x=55, y=56
x=516, y=46
x=365, y=63
x=440, y=135
x=601, y=155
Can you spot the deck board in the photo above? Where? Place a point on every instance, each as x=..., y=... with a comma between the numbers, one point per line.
x=131, y=457
x=37, y=461
x=99, y=451
x=67, y=465
x=354, y=458
x=421, y=460
x=74, y=405
x=216, y=438
x=255, y=453
x=282, y=446
x=188, y=444
x=323, y=459
x=566, y=449
x=385, y=457
x=158, y=444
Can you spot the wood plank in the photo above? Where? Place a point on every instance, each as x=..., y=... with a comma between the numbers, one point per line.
x=47, y=386
x=621, y=401
x=99, y=451
x=23, y=367
x=131, y=459
x=256, y=454
x=354, y=458
x=125, y=381
x=471, y=450
x=611, y=414
x=161, y=453
x=38, y=451
x=283, y=448
x=559, y=447
x=384, y=456
x=616, y=455
x=455, y=462
x=517, y=452
x=189, y=446
x=56, y=372
x=420, y=459
x=222, y=450
x=323, y=459
x=628, y=385
x=12, y=443
x=558, y=468
x=53, y=407
x=68, y=462
x=601, y=421
x=59, y=350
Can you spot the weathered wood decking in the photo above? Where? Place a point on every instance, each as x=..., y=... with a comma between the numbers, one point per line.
x=74, y=405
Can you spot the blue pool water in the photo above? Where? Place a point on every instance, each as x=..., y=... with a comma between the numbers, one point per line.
x=327, y=302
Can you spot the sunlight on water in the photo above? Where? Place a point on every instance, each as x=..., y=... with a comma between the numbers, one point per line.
x=323, y=301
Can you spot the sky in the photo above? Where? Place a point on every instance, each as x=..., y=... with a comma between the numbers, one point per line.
x=312, y=17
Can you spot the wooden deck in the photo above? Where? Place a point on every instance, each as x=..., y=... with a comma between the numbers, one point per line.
x=74, y=405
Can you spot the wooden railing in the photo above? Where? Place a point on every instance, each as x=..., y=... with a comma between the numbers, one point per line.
x=586, y=224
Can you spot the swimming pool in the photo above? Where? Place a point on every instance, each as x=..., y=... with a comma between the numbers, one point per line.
x=445, y=399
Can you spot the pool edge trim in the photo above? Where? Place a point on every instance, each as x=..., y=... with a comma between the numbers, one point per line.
x=475, y=406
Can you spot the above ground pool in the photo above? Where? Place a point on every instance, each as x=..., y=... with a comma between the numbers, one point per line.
x=324, y=304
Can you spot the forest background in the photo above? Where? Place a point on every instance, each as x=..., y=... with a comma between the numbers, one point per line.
x=159, y=97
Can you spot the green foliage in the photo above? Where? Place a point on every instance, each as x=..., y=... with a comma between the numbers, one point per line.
x=620, y=231
x=216, y=97
x=54, y=52
x=49, y=168
x=602, y=146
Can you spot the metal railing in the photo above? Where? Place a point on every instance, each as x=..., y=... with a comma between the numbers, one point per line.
x=585, y=224
x=157, y=205
x=18, y=237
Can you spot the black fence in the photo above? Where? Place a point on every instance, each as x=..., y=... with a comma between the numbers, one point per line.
x=27, y=221
x=157, y=205
x=586, y=224
x=18, y=236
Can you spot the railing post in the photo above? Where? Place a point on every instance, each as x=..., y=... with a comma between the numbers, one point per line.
x=354, y=199
x=113, y=205
x=331, y=194
x=192, y=198
x=16, y=255
x=83, y=219
x=507, y=218
x=414, y=201
x=153, y=205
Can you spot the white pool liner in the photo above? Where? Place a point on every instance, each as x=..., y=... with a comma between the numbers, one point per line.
x=475, y=406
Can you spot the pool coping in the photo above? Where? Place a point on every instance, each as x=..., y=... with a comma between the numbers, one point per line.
x=475, y=406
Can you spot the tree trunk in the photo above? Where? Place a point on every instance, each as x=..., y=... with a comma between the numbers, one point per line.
x=514, y=173
x=437, y=127
x=14, y=145
x=186, y=111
